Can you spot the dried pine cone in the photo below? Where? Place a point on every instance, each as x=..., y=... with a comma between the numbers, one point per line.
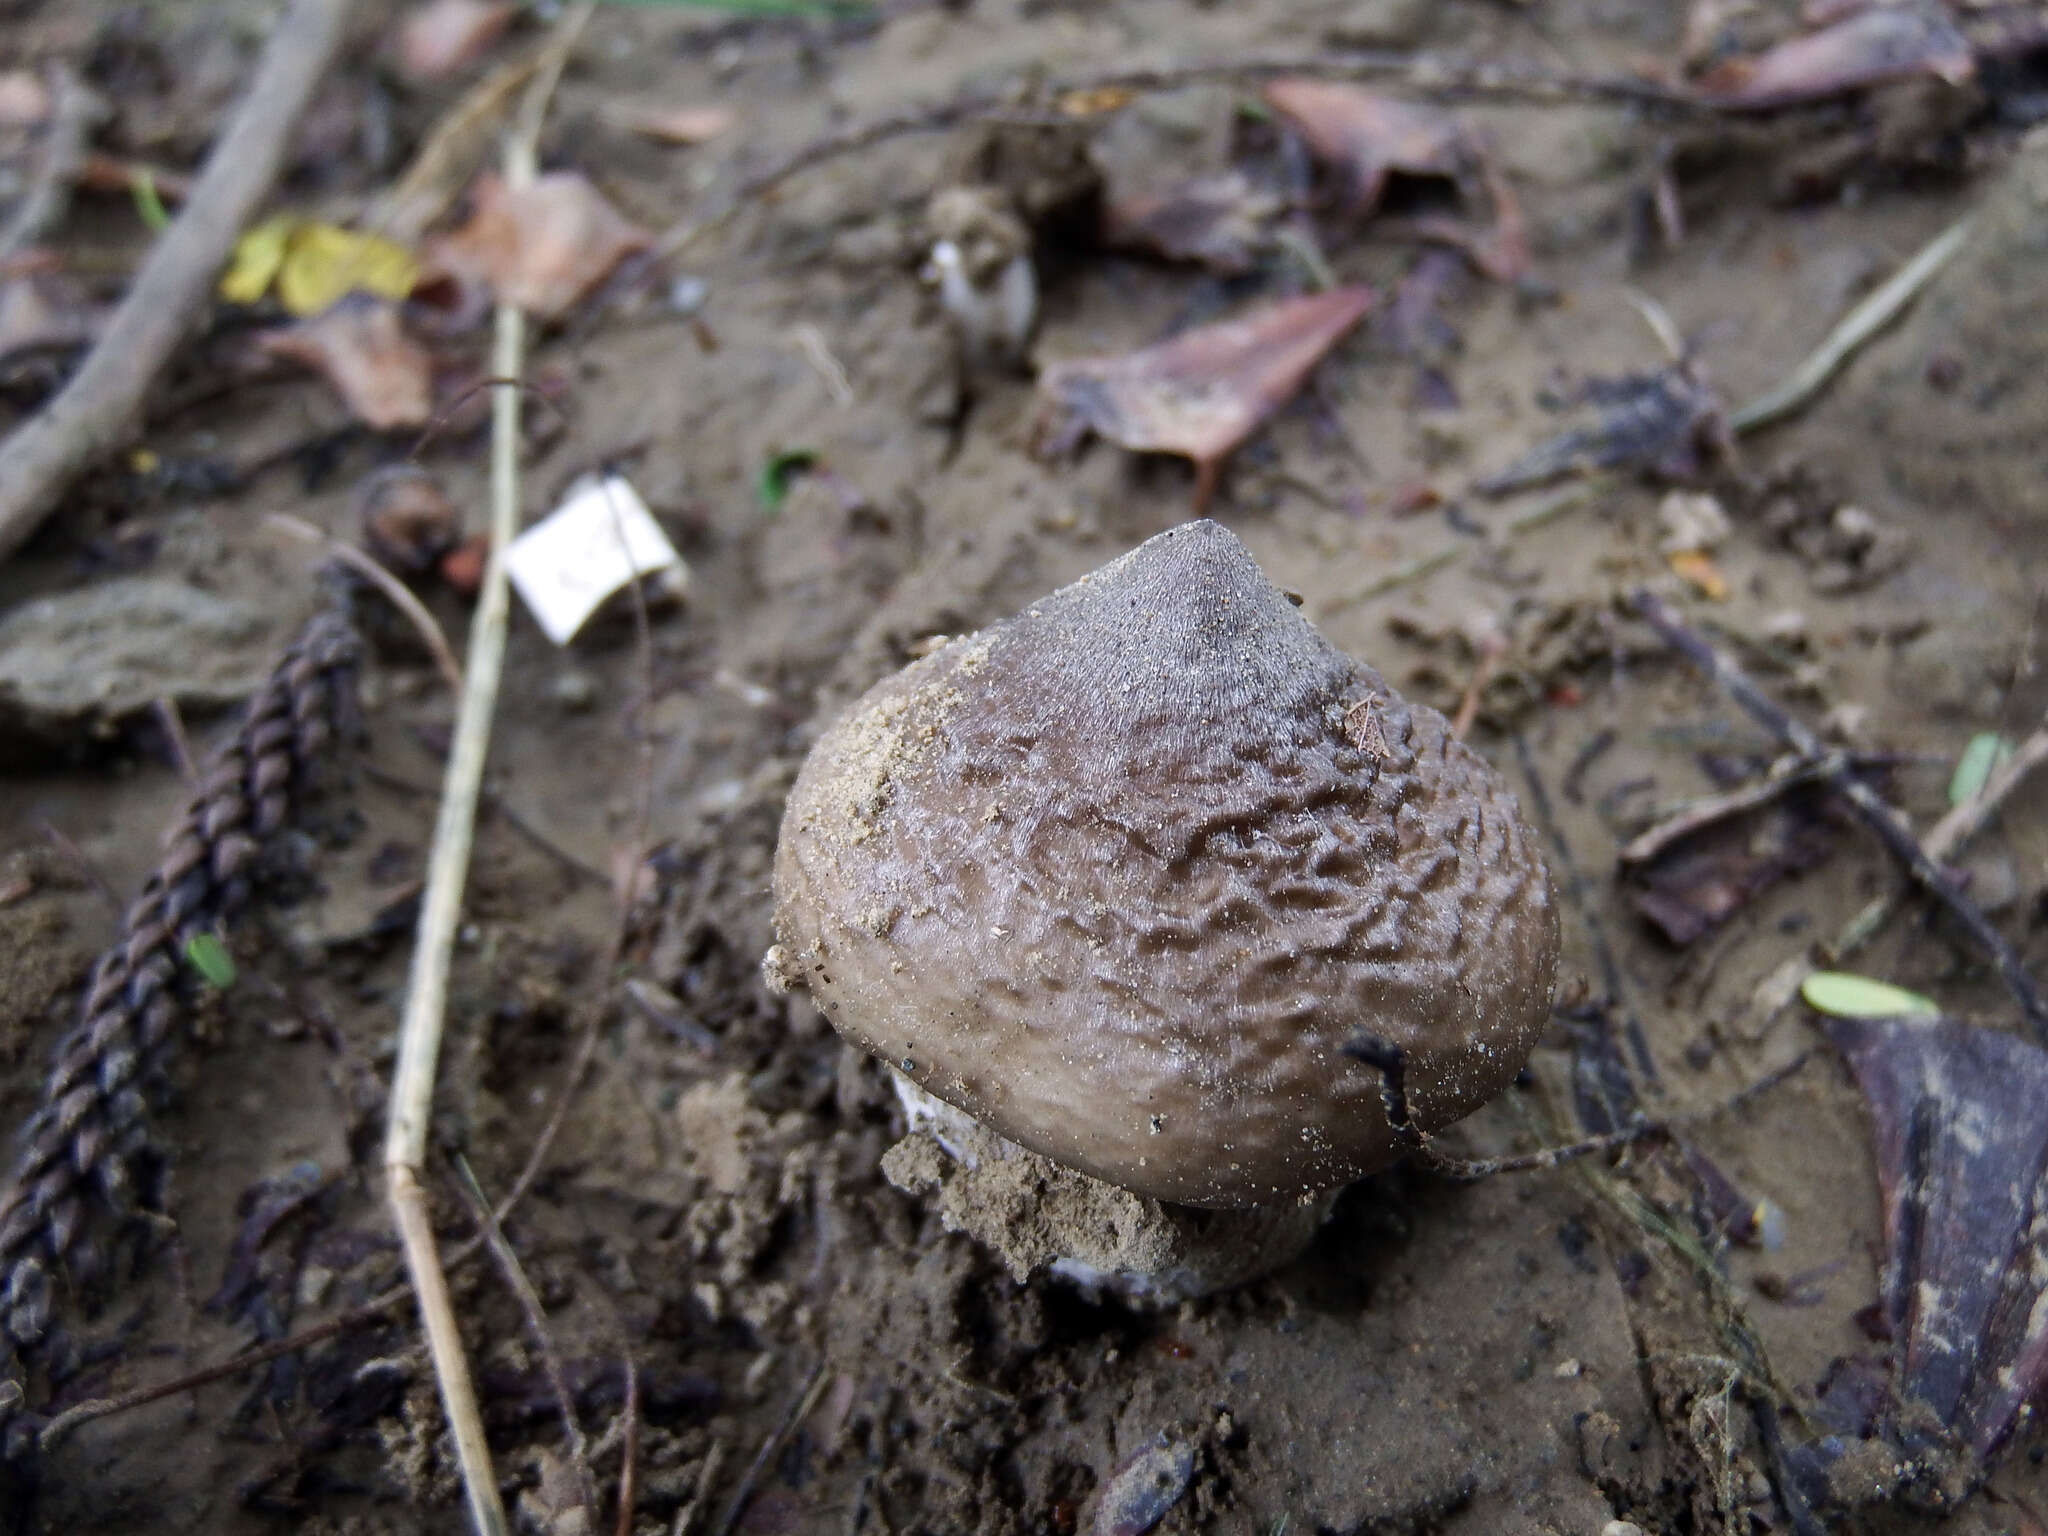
x=88, y=1144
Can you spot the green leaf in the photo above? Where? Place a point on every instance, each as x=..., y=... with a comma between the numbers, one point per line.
x=1980, y=759
x=1858, y=997
x=148, y=206
x=773, y=485
x=205, y=953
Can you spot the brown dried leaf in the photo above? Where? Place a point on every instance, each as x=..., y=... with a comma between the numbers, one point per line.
x=444, y=37
x=381, y=373
x=1215, y=221
x=1367, y=136
x=1892, y=42
x=541, y=247
x=1208, y=389
x=1962, y=1164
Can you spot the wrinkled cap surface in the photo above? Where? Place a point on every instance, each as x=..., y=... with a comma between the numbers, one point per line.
x=1121, y=875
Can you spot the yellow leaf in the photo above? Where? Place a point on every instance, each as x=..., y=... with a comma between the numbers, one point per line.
x=324, y=262
x=258, y=255
x=1699, y=570
x=1093, y=103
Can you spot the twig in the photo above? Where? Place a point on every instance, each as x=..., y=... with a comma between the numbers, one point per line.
x=1435, y=75
x=98, y=408
x=799, y=1406
x=514, y=1274
x=629, y=1451
x=1708, y=809
x=84, y=1149
x=1889, y=826
x=1949, y=836
x=686, y=1517
x=389, y=586
x=76, y=110
x=412, y=1087
x=1855, y=328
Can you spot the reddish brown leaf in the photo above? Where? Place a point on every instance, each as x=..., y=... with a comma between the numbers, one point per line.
x=444, y=37
x=384, y=376
x=1207, y=390
x=1367, y=137
x=1216, y=221
x=1892, y=42
x=541, y=247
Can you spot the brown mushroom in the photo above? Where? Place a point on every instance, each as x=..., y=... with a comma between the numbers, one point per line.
x=1121, y=876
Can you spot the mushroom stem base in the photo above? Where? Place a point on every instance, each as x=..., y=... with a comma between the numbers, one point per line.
x=1037, y=1215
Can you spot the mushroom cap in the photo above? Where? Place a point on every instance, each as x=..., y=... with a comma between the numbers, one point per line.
x=1121, y=875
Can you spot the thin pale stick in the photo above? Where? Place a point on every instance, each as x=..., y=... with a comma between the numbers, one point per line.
x=100, y=405
x=1857, y=327
x=412, y=1088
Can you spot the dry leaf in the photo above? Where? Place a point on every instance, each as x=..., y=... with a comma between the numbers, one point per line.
x=1207, y=390
x=444, y=37
x=313, y=265
x=1367, y=136
x=384, y=376
x=1892, y=42
x=542, y=247
x=1962, y=1164
x=678, y=125
x=1216, y=221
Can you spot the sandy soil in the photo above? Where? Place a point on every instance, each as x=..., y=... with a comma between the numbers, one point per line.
x=1518, y=1355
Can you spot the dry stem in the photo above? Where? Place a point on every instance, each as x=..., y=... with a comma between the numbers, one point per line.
x=412, y=1087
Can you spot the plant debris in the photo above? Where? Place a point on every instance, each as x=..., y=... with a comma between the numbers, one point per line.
x=1962, y=1161
x=1667, y=424
x=1205, y=391
x=1218, y=222
x=1881, y=44
x=361, y=347
x=543, y=247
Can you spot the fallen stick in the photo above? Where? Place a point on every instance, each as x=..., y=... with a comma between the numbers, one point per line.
x=1432, y=74
x=77, y=110
x=426, y=1000
x=1890, y=827
x=99, y=407
x=1949, y=836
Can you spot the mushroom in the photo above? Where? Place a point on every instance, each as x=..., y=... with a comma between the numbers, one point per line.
x=1113, y=884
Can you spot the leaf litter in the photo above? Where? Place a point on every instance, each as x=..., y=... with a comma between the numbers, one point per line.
x=1205, y=391
x=543, y=247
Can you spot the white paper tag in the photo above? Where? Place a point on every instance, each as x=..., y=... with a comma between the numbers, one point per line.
x=569, y=562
